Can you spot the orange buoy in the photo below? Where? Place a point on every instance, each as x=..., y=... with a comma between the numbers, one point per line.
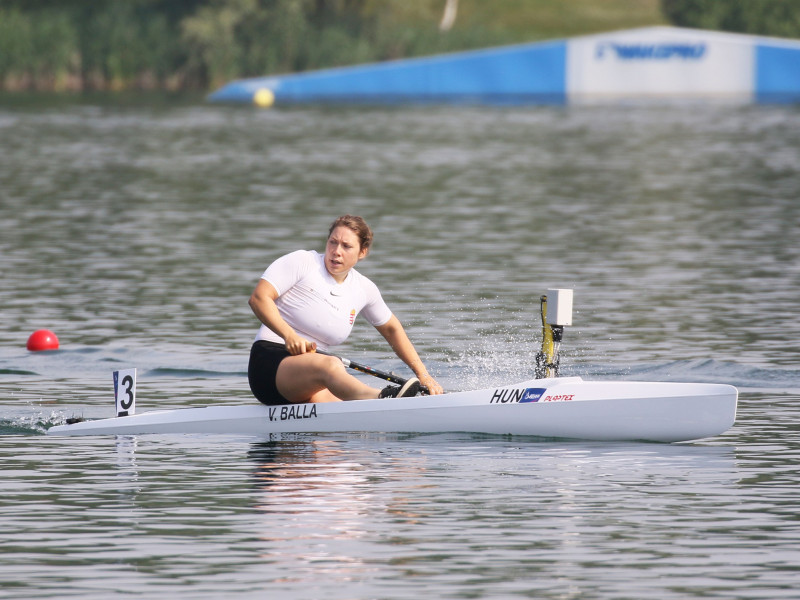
x=43, y=339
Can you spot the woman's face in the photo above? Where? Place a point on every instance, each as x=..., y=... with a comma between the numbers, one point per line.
x=342, y=252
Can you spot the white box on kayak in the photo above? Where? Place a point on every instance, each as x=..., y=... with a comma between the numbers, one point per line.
x=559, y=307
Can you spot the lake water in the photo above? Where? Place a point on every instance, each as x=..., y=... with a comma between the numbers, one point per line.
x=137, y=231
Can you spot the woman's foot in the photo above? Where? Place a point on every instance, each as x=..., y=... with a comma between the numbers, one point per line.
x=409, y=388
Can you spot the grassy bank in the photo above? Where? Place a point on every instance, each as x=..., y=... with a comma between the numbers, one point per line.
x=528, y=20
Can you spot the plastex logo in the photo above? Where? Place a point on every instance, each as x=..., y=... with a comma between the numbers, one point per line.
x=663, y=51
x=532, y=394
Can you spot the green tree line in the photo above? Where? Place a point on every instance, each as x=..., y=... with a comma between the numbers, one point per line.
x=780, y=18
x=200, y=44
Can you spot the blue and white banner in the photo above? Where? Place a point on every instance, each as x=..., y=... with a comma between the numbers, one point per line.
x=653, y=63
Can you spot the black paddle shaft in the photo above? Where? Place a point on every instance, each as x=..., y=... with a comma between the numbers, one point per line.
x=370, y=371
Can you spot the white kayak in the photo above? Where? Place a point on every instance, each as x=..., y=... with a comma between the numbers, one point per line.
x=550, y=408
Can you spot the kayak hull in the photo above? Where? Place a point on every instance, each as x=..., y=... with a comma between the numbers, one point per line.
x=549, y=408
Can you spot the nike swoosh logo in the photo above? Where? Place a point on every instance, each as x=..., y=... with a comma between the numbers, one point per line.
x=335, y=293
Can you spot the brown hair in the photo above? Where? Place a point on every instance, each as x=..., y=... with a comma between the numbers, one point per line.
x=357, y=225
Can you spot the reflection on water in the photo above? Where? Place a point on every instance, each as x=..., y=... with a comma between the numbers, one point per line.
x=453, y=513
x=311, y=494
x=320, y=503
x=323, y=507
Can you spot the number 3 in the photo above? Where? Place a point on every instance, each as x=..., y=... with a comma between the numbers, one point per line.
x=127, y=381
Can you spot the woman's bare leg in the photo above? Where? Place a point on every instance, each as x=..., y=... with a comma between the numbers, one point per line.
x=313, y=377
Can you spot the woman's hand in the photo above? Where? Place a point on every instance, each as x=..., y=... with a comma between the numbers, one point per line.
x=429, y=382
x=296, y=344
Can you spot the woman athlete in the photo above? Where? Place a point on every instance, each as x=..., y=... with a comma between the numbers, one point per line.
x=306, y=300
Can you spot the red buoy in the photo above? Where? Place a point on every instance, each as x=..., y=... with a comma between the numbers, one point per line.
x=43, y=339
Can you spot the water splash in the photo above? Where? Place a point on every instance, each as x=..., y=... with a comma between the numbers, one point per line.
x=34, y=423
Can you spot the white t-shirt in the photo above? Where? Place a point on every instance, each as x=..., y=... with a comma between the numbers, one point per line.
x=315, y=305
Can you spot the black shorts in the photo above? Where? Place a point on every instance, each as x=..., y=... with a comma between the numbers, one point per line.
x=264, y=360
